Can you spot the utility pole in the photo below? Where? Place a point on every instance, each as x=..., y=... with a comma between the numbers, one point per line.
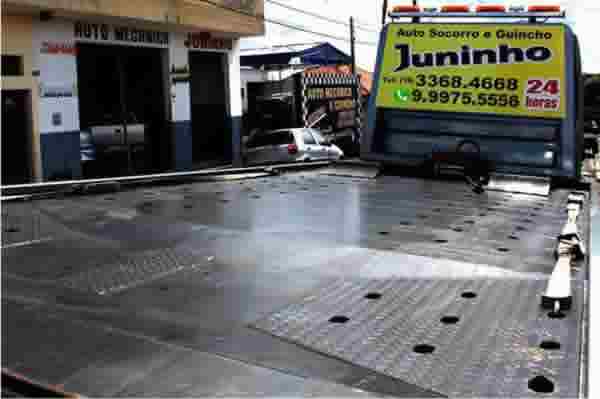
x=415, y=19
x=352, y=45
x=355, y=84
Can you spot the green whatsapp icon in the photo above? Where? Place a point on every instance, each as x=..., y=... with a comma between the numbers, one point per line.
x=402, y=95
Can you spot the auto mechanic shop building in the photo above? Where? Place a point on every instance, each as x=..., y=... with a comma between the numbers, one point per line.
x=153, y=84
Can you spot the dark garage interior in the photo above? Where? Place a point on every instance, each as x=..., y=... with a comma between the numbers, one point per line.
x=15, y=127
x=211, y=137
x=120, y=89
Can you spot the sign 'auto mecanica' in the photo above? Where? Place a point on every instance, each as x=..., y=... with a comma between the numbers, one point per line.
x=483, y=68
x=105, y=32
x=329, y=94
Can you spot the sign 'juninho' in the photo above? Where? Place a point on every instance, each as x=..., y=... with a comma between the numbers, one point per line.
x=503, y=54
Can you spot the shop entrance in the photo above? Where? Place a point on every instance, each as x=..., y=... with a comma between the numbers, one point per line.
x=122, y=104
x=211, y=130
x=15, y=137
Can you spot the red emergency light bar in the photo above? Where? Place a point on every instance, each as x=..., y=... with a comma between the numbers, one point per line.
x=544, y=8
x=455, y=8
x=406, y=8
x=490, y=8
x=535, y=13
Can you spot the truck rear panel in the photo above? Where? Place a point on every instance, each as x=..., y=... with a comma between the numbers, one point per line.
x=512, y=90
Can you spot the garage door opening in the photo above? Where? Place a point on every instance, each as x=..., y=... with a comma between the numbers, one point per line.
x=15, y=137
x=122, y=105
x=211, y=130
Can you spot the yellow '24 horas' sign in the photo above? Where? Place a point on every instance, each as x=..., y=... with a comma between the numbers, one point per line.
x=505, y=69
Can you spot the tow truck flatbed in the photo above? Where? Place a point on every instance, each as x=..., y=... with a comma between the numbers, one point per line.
x=167, y=290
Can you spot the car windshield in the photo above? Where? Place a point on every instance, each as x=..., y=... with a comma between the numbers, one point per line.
x=318, y=136
x=271, y=139
x=307, y=137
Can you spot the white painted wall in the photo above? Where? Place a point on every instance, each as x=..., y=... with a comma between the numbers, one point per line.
x=180, y=91
x=234, y=87
x=60, y=70
x=235, y=83
x=56, y=70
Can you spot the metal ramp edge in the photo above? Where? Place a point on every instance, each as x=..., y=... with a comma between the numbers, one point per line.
x=353, y=168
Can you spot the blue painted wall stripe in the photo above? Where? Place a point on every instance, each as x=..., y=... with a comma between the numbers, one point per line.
x=182, y=146
x=61, y=157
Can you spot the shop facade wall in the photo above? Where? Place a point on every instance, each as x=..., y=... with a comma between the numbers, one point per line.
x=240, y=17
x=58, y=120
x=17, y=40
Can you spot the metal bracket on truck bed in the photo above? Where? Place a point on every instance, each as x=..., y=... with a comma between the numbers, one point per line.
x=570, y=247
x=519, y=184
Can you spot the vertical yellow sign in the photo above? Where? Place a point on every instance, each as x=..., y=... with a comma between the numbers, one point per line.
x=505, y=69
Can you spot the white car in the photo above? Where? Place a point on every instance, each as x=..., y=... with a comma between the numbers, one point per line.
x=289, y=145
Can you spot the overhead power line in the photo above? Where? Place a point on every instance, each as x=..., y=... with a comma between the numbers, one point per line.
x=283, y=45
x=343, y=39
x=284, y=24
x=318, y=16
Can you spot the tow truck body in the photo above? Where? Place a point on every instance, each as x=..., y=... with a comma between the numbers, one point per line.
x=513, y=89
x=344, y=279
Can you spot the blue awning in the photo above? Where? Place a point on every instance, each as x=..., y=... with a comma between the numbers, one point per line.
x=317, y=54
